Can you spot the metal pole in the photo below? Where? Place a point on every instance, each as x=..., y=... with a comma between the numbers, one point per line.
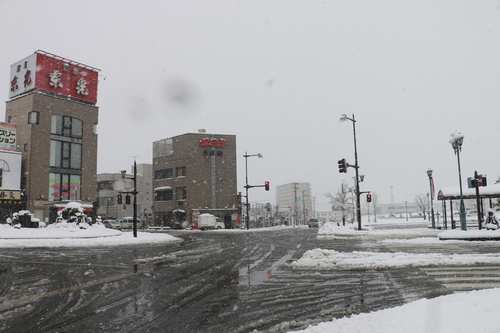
x=304, y=205
x=294, y=204
x=431, y=196
x=478, y=204
x=135, y=198
x=247, y=218
x=358, y=203
x=463, y=222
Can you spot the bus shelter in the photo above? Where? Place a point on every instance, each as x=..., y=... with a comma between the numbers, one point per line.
x=452, y=194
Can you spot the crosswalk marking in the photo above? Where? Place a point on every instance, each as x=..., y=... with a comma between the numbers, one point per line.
x=465, y=278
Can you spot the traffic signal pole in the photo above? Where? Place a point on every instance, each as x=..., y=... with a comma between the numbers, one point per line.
x=356, y=166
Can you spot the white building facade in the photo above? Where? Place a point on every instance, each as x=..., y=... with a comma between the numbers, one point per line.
x=294, y=201
x=109, y=185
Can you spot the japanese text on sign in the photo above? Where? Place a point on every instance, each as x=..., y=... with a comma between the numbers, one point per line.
x=207, y=142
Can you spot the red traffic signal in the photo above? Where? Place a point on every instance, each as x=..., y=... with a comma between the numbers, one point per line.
x=342, y=165
x=266, y=185
x=368, y=198
x=120, y=199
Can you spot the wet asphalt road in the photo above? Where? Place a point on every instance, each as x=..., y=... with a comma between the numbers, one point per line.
x=210, y=282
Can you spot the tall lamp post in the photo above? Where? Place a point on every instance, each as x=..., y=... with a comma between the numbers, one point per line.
x=431, y=187
x=356, y=166
x=134, y=178
x=457, y=139
x=246, y=156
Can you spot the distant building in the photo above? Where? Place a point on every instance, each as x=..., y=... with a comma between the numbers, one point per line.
x=294, y=200
x=109, y=185
x=194, y=173
x=398, y=209
x=53, y=103
x=327, y=216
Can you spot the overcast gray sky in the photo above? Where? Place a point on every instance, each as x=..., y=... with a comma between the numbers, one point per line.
x=278, y=75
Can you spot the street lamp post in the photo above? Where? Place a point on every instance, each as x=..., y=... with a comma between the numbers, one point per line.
x=134, y=178
x=246, y=156
x=429, y=174
x=457, y=139
x=356, y=166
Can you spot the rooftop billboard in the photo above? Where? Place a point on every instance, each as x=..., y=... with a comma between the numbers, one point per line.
x=54, y=74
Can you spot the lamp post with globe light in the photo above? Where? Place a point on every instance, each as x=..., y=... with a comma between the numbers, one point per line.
x=457, y=139
x=431, y=186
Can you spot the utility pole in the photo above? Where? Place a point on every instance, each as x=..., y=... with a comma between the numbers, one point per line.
x=304, y=204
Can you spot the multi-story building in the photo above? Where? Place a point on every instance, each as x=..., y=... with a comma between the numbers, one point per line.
x=53, y=103
x=194, y=173
x=109, y=185
x=295, y=201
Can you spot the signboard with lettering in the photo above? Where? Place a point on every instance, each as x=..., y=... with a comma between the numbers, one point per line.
x=55, y=74
x=213, y=142
x=8, y=136
x=8, y=197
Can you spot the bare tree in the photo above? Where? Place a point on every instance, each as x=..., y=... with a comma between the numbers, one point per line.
x=341, y=200
x=375, y=205
x=422, y=202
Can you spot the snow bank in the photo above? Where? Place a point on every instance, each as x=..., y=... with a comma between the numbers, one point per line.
x=72, y=236
x=331, y=259
x=474, y=311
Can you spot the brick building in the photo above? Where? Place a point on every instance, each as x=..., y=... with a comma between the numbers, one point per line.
x=194, y=173
x=53, y=103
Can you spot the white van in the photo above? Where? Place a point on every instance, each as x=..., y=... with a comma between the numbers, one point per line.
x=209, y=221
x=128, y=223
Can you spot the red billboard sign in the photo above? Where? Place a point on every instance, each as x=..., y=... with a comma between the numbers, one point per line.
x=51, y=73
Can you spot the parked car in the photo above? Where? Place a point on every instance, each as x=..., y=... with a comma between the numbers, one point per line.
x=112, y=224
x=313, y=223
x=128, y=223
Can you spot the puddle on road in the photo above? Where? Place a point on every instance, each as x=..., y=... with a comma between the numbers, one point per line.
x=249, y=277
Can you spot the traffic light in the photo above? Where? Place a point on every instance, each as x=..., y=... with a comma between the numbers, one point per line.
x=120, y=199
x=342, y=165
x=368, y=198
x=127, y=200
x=266, y=185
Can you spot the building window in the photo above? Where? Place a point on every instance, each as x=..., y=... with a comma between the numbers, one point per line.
x=180, y=193
x=106, y=201
x=163, y=174
x=66, y=155
x=64, y=187
x=180, y=171
x=1, y=178
x=106, y=185
x=163, y=194
x=33, y=117
x=162, y=148
x=67, y=126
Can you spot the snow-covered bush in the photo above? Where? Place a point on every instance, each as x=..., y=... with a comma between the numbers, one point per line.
x=73, y=213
